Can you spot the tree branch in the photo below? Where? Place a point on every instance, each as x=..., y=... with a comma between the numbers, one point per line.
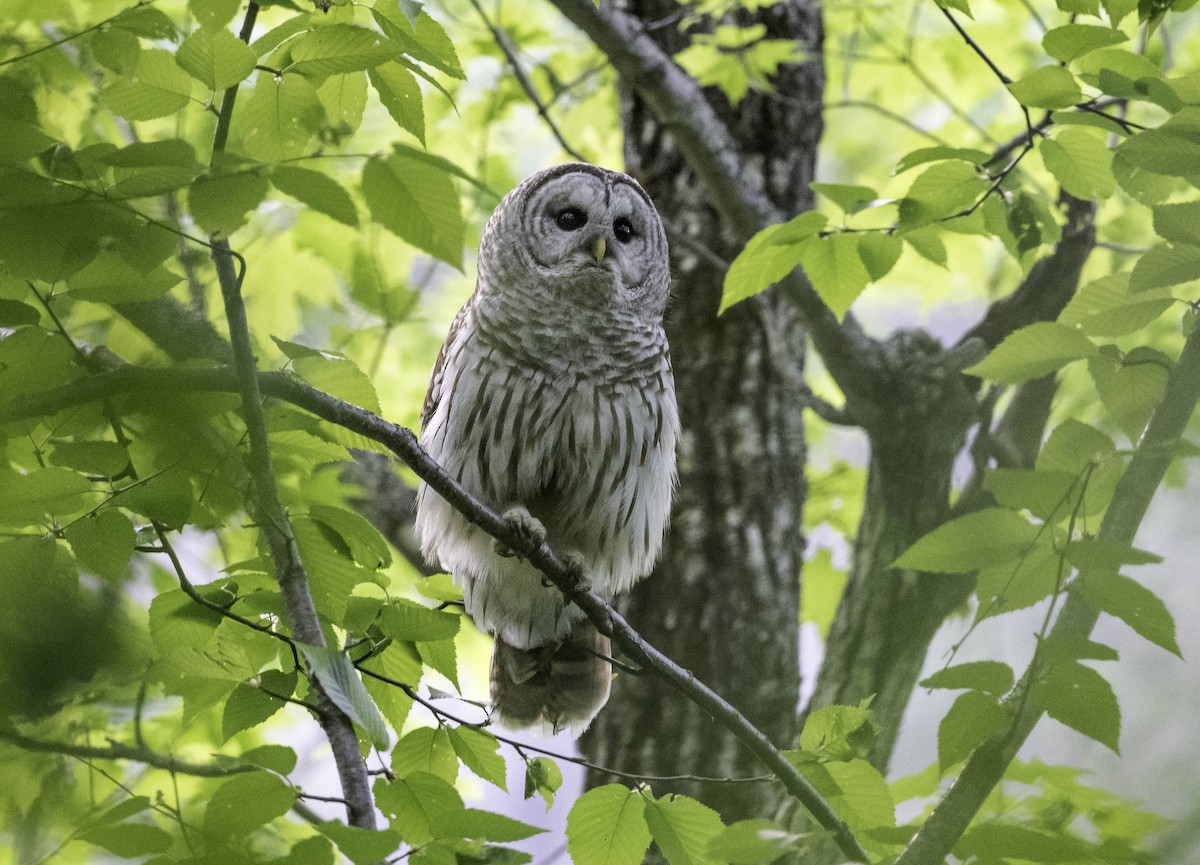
x=735, y=192
x=118, y=751
x=403, y=443
x=1140, y=480
x=281, y=540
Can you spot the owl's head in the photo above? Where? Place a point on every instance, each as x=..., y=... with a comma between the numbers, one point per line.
x=588, y=235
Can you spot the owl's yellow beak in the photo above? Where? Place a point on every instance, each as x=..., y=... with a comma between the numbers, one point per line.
x=598, y=249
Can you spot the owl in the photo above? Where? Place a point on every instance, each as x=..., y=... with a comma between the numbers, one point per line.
x=552, y=401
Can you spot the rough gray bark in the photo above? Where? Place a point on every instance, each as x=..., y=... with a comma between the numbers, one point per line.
x=724, y=599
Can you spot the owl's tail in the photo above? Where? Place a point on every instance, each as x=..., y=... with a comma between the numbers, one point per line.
x=559, y=687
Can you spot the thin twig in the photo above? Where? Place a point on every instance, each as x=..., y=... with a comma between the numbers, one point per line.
x=119, y=751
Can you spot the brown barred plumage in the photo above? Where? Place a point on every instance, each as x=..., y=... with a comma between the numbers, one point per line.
x=553, y=392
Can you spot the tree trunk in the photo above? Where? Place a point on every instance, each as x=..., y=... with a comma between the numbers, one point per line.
x=724, y=599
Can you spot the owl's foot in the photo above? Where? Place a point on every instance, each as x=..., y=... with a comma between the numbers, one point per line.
x=576, y=567
x=527, y=526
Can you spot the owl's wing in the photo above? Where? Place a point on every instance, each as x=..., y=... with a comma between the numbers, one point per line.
x=433, y=396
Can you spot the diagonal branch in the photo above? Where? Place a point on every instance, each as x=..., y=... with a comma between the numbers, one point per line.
x=736, y=192
x=1141, y=478
x=119, y=751
x=403, y=443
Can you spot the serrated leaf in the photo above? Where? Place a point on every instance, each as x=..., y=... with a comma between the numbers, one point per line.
x=421, y=38
x=276, y=758
x=108, y=278
x=280, y=117
x=159, y=88
x=1132, y=603
x=338, y=377
x=337, y=48
x=850, y=199
x=1047, y=87
x=992, y=677
x=216, y=58
x=418, y=805
x=319, y=191
x=1018, y=584
x=1166, y=265
x=116, y=49
x=480, y=752
x=986, y=537
x=855, y=790
x=973, y=719
x=879, y=253
x=941, y=190
x=1131, y=387
x=401, y=96
x=245, y=802
x=1080, y=162
x=682, y=828
x=14, y=313
x=1071, y=41
x=94, y=457
x=249, y=706
x=1046, y=494
x=836, y=270
x=1178, y=223
x=425, y=749
x=1105, y=307
x=1072, y=446
x=129, y=840
x=442, y=656
x=439, y=587
x=365, y=543
x=768, y=257
x=922, y=155
x=341, y=683
x=607, y=826
x=103, y=543
x=405, y=620
x=484, y=825
x=214, y=13
x=752, y=842
x=416, y=202
x=542, y=776
x=221, y=203
x=838, y=732
x=362, y=846
x=1173, y=149
x=1032, y=352
x=166, y=497
x=1082, y=699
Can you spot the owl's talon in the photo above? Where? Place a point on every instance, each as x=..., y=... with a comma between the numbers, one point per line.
x=576, y=567
x=528, y=527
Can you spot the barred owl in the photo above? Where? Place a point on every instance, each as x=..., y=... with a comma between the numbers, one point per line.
x=552, y=400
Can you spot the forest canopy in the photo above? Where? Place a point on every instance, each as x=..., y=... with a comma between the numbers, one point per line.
x=933, y=326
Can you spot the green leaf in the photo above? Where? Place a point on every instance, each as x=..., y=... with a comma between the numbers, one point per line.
x=1169, y=264
x=166, y=497
x=838, y=732
x=1070, y=41
x=337, y=48
x=14, y=313
x=108, y=278
x=855, y=790
x=752, y=842
x=422, y=39
x=485, y=825
x=221, y=203
x=216, y=58
x=442, y=656
x=116, y=49
x=401, y=96
x=849, y=199
x=682, y=828
x=249, y=706
x=319, y=191
x=941, y=190
x=480, y=752
x=280, y=117
x=1132, y=603
x=340, y=681
x=425, y=749
x=362, y=846
x=996, y=842
x=276, y=758
x=129, y=840
x=768, y=257
x=417, y=203
x=542, y=776
x=439, y=587
x=1131, y=387
x=1105, y=307
x=214, y=13
x=1047, y=87
x=1049, y=495
x=1072, y=446
x=986, y=537
x=879, y=253
x=1096, y=554
x=1082, y=699
x=1032, y=352
x=159, y=88
x=1080, y=162
x=403, y=619
x=1015, y=585
x=993, y=677
x=974, y=718
x=836, y=270
x=338, y=377
x=418, y=805
x=103, y=543
x=93, y=457
x=1178, y=223
x=245, y=802
x=607, y=826
x=922, y=155
x=1173, y=149
x=364, y=542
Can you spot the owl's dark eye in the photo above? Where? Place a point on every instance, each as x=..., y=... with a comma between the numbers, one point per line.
x=623, y=229
x=571, y=219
